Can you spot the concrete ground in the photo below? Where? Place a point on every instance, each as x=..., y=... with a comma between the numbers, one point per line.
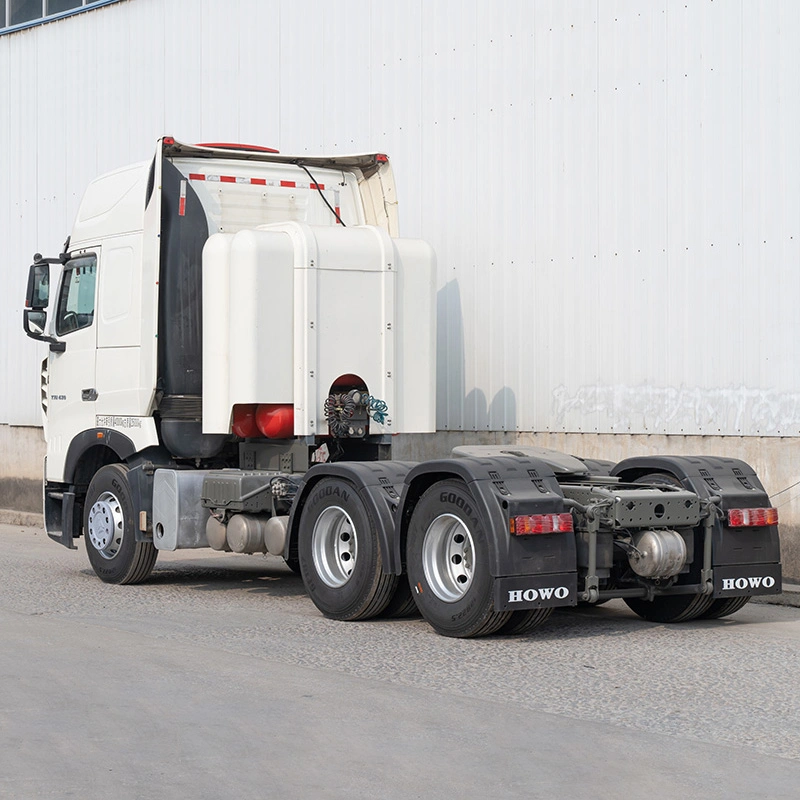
x=220, y=679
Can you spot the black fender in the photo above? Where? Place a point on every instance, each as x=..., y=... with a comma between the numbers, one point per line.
x=63, y=502
x=118, y=442
x=737, y=485
x=377, y=483
x=597, y=466
x=502, y=486
x=141, y=477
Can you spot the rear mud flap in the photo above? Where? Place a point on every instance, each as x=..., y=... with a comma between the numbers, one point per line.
x=747, y=579
x=535, y=591
x=58, y=518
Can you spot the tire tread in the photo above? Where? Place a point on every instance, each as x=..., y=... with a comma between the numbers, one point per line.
x=525, y=621
x=725, y=606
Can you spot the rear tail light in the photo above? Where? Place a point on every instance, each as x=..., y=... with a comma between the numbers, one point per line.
x=244, y=421
x=752, y=517
x=527, y=524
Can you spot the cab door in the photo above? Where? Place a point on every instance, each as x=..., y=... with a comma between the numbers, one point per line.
x=71, y=391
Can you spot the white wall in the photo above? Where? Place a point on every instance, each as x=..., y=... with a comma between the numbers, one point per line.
x=612, y=187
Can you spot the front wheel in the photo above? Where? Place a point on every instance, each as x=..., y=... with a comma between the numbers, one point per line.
x=340, y=558
x=447, y=554
x=110, y=532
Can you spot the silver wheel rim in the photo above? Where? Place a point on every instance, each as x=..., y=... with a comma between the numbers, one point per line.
x=106, y=525
x=334, y=547
x=448, y=558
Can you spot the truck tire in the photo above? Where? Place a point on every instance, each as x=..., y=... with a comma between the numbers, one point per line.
x=447, y=553
x=110, y=531
x=293, y=564
x=669, y=608
x=402, y=605
x=525, y=621
x=721, y=607
x=725, y=606
x=340, y=558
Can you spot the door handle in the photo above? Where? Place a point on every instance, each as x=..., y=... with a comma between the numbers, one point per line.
x=89, y=394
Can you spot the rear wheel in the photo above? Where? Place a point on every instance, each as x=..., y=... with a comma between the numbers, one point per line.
x=525, y=621
x=725, y=606
x=448, y=564
x=340, y=558
x=293, y=564
x=670, y=608
x=110, y=532
x=402, y=603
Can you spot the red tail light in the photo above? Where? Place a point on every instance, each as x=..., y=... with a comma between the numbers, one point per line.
x=527, y=524
x=275, y=421
x=752, y=517
x=244, y=421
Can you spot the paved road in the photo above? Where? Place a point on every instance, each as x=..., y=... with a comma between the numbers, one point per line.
x=219, y=679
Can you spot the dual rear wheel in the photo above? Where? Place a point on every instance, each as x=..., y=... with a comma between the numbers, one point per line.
x=682, y=608
x=447, y=552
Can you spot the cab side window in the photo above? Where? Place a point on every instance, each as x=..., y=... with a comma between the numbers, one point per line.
x=76, y=299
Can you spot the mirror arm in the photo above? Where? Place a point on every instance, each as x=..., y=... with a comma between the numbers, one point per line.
x=64, y=257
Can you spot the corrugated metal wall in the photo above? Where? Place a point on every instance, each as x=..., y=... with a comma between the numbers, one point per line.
x=613, y=188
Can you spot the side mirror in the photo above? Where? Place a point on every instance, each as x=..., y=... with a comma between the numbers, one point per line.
x=34, y=317
x=34, y=322
x=38, y=294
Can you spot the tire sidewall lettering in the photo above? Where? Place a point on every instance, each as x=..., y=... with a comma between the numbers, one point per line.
x=467, y=512
x=330, y=494
x=465, y=612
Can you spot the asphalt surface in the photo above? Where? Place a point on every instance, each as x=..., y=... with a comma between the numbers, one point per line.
x=220, y=679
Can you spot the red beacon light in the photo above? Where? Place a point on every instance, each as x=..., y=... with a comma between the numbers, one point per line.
x=752, y=517
x=528, y=524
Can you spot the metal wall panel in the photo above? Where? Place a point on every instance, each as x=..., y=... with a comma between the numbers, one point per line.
x=612, y=187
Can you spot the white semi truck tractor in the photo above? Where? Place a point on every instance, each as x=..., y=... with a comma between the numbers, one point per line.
x=234, y=337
